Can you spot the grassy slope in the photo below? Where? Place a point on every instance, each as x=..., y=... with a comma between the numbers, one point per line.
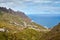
x=54, y=34
x=16, y=32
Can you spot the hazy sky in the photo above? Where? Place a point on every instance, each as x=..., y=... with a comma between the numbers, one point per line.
x=33, y=6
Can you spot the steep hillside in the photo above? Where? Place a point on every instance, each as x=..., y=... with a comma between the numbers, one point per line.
x=54, y=34
x=17, y=13
x=16, y=18
x=15, y=25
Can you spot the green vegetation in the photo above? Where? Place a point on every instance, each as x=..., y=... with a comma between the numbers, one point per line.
x=54, y=34
x=15, y=27
x=0, y=13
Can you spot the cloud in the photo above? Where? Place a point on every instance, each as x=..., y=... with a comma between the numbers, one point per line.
x=57, y=2
x=26, y=0
x=35, y=1
x=30, y=1
x=12, y=3
x=42, y=1
x=33, y=6
x=45, y=10
x=5, y=1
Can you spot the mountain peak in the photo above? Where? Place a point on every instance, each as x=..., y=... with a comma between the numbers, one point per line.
x=3, y=9
x=18, y=13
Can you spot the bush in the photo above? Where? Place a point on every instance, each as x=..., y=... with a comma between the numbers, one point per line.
x=0, y=13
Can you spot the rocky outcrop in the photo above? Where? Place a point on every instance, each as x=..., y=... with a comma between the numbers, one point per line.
x=19, y=13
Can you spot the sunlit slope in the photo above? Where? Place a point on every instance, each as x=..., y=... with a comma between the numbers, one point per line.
x=18, y=27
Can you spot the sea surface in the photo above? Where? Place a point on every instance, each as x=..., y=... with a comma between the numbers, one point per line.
x=45, y=20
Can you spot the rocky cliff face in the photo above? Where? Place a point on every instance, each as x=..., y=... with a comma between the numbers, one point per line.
x=18, y=13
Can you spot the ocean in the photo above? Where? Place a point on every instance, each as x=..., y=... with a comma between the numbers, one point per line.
x=45, y=20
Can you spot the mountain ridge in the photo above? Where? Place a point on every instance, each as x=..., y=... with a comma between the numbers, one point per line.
x=18, y=26
x=19, y=13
